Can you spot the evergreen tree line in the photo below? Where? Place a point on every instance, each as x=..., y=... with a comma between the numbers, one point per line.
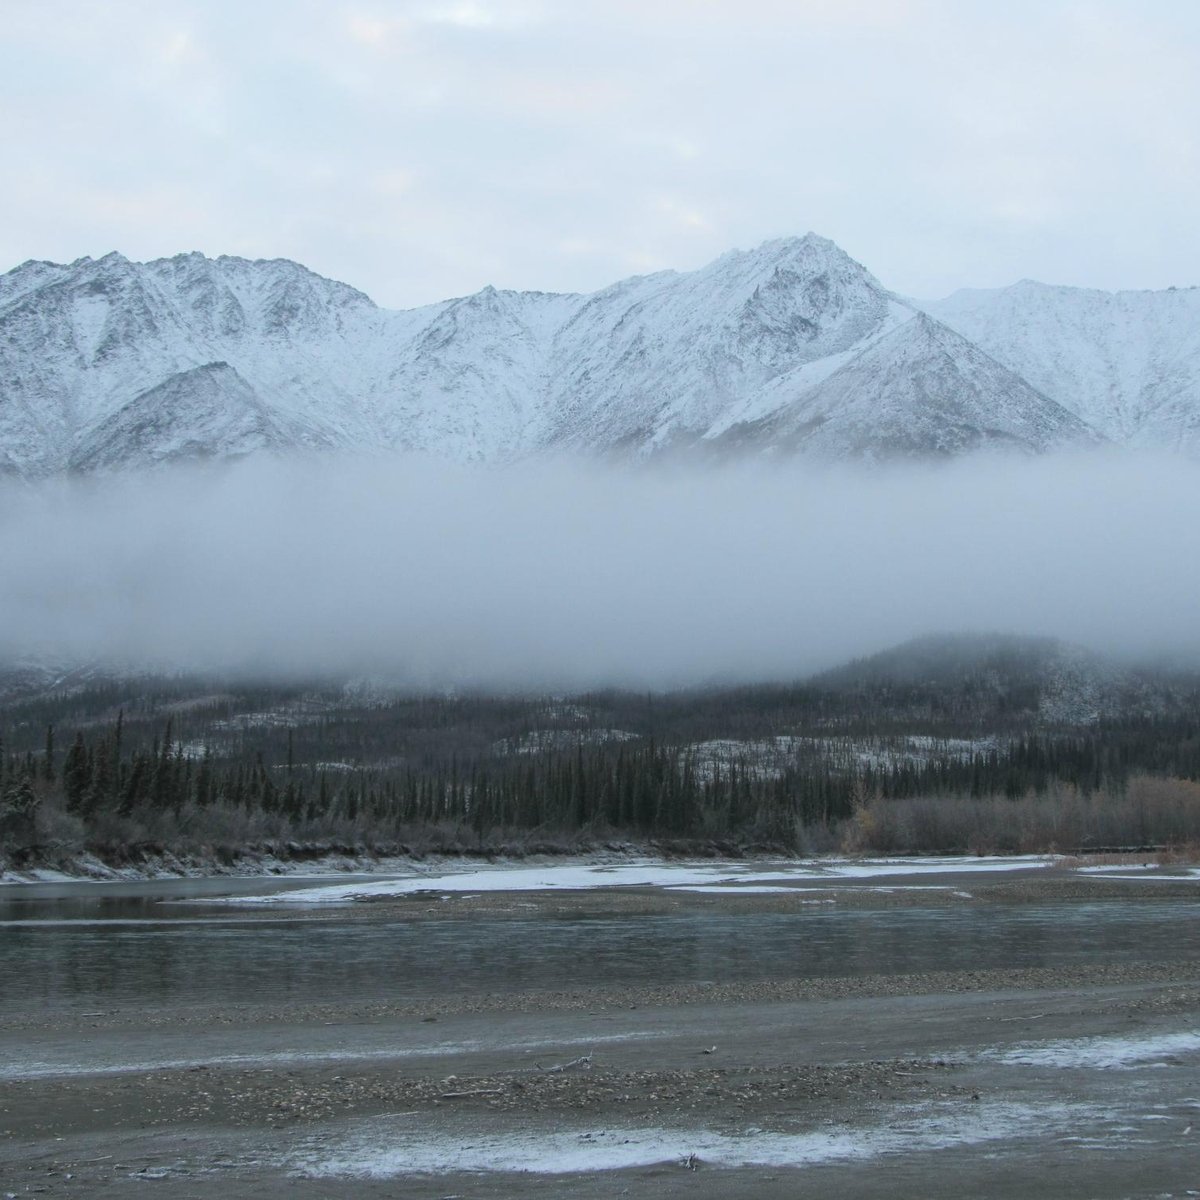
x=647, y=788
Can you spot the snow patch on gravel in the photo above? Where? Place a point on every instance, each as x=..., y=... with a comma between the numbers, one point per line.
x=1102, y=1052
x=1110, y=868
x=387, y=1149
x=1150, y=874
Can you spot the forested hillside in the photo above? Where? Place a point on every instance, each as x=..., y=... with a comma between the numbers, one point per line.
x=996, y=744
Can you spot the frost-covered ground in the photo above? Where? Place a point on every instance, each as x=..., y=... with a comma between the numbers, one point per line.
x=87, y=868
x=412, y=1145
x=973, y=1073
x=539, y=741
x=1105, y=1053
x=1141, y=872
x=769, y=758
x=386, y=1149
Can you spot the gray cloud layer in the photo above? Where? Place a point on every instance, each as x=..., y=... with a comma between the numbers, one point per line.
x=576, y=575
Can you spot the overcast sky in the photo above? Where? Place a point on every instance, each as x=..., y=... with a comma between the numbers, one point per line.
x=423, y=148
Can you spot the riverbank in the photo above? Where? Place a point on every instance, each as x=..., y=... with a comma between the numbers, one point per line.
x=151, y=861
x=145, y=863
x=935, y=1091
x=951, y=1031
x=302, y=862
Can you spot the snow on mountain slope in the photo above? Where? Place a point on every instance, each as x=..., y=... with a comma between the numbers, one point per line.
x=29, y=276
x=1127, y=363
x=494, y=375
x=658, y=358
x=471, y=383
x=205, y=412
x=920, y=391
x=792, y=346
x=83, y=341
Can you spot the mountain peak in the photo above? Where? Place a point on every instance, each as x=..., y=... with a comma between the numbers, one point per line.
x=1128, y=362
x=785, y=265
x=806, y=242
x=811, y=251
x=927, y=332
x=789, y=347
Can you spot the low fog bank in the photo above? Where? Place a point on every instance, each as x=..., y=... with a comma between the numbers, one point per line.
x=569, y=575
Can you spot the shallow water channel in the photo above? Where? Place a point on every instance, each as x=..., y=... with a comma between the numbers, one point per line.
x=106, y=946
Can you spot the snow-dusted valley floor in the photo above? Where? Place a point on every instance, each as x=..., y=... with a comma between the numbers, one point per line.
x=938, y=1027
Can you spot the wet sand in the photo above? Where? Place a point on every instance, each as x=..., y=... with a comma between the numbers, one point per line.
x=874, y=1085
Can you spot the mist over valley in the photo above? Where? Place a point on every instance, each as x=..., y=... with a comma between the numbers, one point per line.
x=573, y=574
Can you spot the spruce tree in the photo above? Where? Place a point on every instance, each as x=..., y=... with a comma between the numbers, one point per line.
x=48, y=762
x=77, y=774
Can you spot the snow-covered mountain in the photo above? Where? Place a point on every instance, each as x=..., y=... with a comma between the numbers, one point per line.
x=88, y=348
x=920, y=390
x=204, y=412
x=666, y=358
x=1127, y=363
x=791, y=348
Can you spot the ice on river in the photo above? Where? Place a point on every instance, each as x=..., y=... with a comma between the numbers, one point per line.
x=734, y=878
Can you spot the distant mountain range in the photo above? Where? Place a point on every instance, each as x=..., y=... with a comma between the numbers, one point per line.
x=985, y=682
x=791, y=349
x=998, y=678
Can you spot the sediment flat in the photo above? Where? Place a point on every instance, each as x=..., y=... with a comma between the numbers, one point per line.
x=1081, y=1080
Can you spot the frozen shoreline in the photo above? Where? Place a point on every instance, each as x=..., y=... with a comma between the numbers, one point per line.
x=610, y=868
x=346, y=878
x=731, y=877
x=88, y=868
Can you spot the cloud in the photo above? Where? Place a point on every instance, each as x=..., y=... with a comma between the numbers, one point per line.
x=467, y=15
x=573, y=575
x=943, y=144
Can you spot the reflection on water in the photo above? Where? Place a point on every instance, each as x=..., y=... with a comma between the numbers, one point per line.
x=124, y=950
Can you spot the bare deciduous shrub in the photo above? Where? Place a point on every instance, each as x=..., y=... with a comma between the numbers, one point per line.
x=1151, y=811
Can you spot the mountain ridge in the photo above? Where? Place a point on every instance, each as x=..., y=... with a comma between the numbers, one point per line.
x=1127, y=362
x=792, y=348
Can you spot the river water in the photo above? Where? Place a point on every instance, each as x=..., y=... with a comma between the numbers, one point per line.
x=111, y=946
